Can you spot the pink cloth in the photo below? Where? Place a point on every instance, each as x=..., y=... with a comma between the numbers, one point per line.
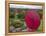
x=32, y=19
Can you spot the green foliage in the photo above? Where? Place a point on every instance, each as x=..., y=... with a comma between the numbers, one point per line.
x=20, y=16
x=40, y=27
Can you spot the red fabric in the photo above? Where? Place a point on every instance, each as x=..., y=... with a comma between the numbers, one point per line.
x=32, y=19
